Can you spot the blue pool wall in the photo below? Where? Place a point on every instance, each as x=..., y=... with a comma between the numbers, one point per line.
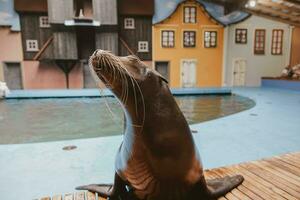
x=281, y=84
x=75, y=93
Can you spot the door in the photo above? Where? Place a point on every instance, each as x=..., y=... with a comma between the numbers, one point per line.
x=163, y=69
x=239, y=72
x=13, y=76
x=188, y=73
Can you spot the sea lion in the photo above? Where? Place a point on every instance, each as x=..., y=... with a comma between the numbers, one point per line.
x=158, y=159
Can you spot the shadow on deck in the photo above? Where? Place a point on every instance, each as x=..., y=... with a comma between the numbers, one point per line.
x=273, y=178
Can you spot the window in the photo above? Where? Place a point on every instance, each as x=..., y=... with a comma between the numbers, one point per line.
x=259, y=41
x=189, y=38
x=129, y=23
x=241, y=36
x=210, y=39
x=143, y=46
x=189, y=14
x=32, y=45
x=83, y=9
x=168, y=38
x=277, y=39
x=44, y=22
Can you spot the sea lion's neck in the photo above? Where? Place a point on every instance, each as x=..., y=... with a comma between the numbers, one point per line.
x=149, y=118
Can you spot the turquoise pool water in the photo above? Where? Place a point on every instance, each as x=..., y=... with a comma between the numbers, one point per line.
x=41, y=120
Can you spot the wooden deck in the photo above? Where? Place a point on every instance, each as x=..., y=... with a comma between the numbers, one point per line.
x=273, y=178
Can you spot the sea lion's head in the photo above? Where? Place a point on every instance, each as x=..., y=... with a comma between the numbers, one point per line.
x=128, y=77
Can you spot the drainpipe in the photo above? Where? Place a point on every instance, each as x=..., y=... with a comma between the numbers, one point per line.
x=225, y=44
x=289, y=54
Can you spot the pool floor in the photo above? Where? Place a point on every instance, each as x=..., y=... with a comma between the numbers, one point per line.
x=54, y=119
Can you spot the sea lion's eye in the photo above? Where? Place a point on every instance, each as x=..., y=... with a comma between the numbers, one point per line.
x=144, y=71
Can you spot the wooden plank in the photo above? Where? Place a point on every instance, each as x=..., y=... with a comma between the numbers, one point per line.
x=69, y=197
x=285, y=166
x=250, y=186
x=238, y=191
x=293, y=157
x=284, y=172
x=286, y=160
x=43, y=48
x=234, y=194
x=274, y=186
x=259, y=186
x=259, y=13
x=107, y=41
x=90, y=196
x=57, y=197
x=276, y=178
x=59, y=11
x=80, y=196
x=65, y=45
x=46, y=198
x=141, y=32
x=105, y=11
x=230, y=196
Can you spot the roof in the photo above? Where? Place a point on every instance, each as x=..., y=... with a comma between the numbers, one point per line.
x=136, y=7
x=165, y=8
x=31, y=5
x=287, y=11
x=8, y=16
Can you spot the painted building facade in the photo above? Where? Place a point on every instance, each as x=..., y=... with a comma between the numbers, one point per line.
x=257, y=47
x=188, y=47
x=59, y=36
x=10, y=57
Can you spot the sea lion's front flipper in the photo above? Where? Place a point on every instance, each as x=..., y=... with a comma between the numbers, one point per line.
x=104, y=190
x=113, y=191
x=221, y=186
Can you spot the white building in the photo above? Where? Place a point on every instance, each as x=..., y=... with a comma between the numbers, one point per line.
x=256, y=47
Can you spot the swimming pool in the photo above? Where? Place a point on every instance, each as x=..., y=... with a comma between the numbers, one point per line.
x=41, y=120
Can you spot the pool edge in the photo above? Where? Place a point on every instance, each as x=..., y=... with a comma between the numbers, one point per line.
x=92, y=93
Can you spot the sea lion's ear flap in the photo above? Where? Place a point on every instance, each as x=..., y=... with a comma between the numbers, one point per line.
x=160, y=76
x=133, y=58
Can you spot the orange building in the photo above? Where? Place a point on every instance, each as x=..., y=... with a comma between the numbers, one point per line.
x=188, y=47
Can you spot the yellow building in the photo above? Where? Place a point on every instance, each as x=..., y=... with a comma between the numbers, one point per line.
x=188, y=47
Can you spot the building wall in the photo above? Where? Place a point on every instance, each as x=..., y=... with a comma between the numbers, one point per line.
x=10, y=48
x=257, y=66
x=31, y=30
x=295, y=50
x=42, y=75
x=141, y=32
x=209, y=60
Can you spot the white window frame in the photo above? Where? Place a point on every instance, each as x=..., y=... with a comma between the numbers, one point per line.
x=189, y=45
x=43, y=25
x=212, y=41
x=165, y=39
x=132, y=26
x=140, y=44
x=30, y=48
x=187, y=15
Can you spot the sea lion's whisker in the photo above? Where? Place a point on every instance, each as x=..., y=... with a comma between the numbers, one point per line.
x=100, y=62
x=143, y=101
x=133, y=86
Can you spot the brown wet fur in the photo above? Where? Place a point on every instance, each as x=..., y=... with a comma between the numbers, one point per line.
x=157, y=159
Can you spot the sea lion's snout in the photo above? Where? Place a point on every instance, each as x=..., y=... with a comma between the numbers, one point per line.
x=102, y=60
